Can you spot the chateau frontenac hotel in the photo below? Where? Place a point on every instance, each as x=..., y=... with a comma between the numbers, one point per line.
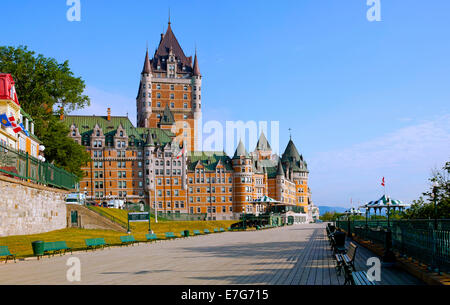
x=157, y=162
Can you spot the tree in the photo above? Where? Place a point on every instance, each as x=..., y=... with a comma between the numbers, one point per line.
x=330, y=216
x=423, y=208
x=43, y=87
x=64, y=151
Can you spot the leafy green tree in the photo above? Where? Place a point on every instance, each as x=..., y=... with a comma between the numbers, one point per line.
x=330, y=216
x=64, y=151
x=423, y=208
x=43, y=87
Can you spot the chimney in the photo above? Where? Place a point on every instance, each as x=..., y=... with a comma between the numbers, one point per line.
x=61, y=113
x=109, y=114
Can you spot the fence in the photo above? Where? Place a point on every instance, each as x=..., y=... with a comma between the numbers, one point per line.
x=412, y=238
x=21, y=165
x=419, y=224
x=177, y=216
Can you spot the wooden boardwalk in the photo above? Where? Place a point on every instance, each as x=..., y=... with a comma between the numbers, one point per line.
x=295, y=255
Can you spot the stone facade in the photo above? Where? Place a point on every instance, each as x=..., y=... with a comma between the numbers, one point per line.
x=27, y=208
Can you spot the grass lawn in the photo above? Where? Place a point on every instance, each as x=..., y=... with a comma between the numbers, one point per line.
x=21, y=244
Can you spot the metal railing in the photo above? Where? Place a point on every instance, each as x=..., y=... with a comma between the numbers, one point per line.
x=21, y=165
x=411, y=238
x=180, y=216
x=419, y=224
x=116, y=220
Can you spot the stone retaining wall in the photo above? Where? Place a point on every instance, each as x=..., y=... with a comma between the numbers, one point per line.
x=28, y=208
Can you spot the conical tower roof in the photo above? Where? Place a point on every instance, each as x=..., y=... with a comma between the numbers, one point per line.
x=280, y=171
x=240, y=151
x=147, y=67
x=263, y=144
x=196, y=68
x=291, y=153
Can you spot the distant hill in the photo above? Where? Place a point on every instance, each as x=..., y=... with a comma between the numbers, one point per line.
x=323, y=209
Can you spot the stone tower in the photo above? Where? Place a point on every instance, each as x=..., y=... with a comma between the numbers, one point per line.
x=171, y=80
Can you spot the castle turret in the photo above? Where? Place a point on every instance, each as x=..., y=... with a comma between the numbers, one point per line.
x=196, y=97
x=144, y=98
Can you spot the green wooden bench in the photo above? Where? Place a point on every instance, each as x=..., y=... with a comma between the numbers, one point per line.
x=4, y=252
x=55, y=247
x=151, y=237
x=170, y=235
x=206, y=231
x=360, y=278
x=197, y=232
x=94, y=243
x=127, y=240
x=221, y=230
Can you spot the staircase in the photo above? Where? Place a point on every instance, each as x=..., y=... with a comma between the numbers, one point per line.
x=79, y=216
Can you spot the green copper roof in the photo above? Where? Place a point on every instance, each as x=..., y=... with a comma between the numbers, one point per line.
x=209, y=159
x=263, y=144
x=280, y=171
x=240, y=151
x=291, y=152
x=294, y=159
x=167, y=117
x=86, y=124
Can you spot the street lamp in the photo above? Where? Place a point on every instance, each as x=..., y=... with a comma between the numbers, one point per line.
x=435, y=189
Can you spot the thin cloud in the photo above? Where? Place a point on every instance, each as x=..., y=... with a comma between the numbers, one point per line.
x=102, y=100
x=405, y=157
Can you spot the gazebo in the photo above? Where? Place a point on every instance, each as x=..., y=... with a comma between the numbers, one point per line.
x=384, y=202
x=265, y=200
x=388, y=203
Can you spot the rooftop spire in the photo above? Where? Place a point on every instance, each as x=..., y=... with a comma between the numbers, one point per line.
x=240, y=151
x=196, y=68
x=147, y=67
x=169, y=17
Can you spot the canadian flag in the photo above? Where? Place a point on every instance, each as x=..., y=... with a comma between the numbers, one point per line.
x=180, y=153
x=382, y=182
x=16, y=128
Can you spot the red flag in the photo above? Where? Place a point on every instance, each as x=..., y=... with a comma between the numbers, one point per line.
x=180, y=153
x=16, y=128
x=382, y=182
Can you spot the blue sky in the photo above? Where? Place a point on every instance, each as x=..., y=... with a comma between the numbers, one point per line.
x=364, y=99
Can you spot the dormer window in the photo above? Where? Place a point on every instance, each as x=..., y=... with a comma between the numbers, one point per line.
x=98, y=133
x=121, y=133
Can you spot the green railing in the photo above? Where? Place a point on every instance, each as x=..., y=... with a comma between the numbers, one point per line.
x=419, y=224
x=116, y=220
x=411, y=238
x=21, y=165
x=181, y=216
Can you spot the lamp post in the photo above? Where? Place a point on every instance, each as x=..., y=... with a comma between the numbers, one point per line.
x=435, y=188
